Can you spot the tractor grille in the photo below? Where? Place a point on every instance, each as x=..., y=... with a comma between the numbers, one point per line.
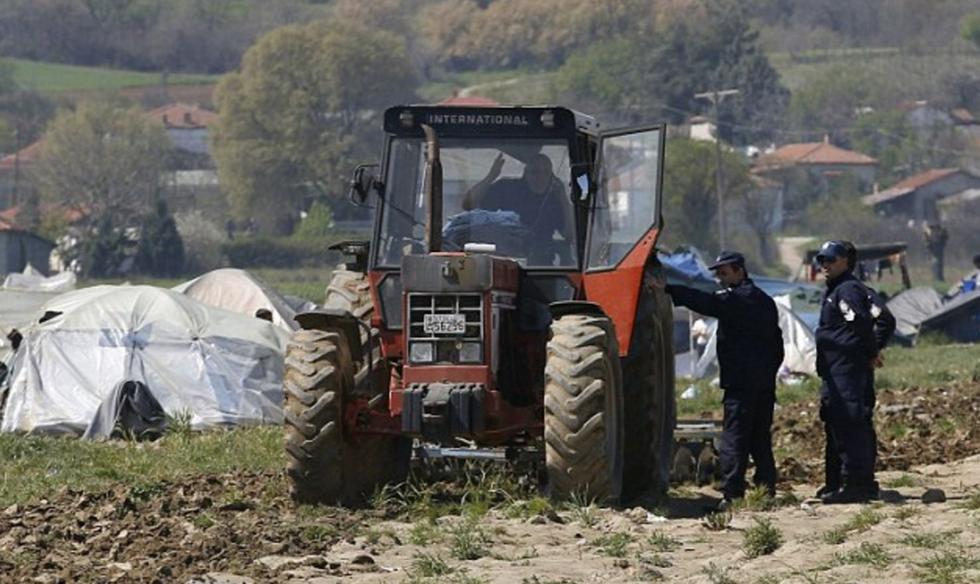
x=446, y=345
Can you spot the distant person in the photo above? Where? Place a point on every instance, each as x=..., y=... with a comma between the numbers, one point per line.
x=849, y=341
x=230, y=229
x=537, y=197
x=936, y=237
x=969, y=283
x=750, y=351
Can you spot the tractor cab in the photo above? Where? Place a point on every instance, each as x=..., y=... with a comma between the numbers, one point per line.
x=504, y=303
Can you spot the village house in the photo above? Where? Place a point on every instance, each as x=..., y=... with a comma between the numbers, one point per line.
x=917, y=197
x=822, y=160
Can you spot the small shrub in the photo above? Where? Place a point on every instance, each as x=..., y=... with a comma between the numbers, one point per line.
x=835, y=536
x=945, y=568
x=761, y=539
x=430, y=566
x=972, y=502
x=662, y=542
x=929, y=539
x=717, y=574
x=583, y=509
x=424, y=533
x=717, y=521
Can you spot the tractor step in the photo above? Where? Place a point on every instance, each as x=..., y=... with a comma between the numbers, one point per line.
x=428, y=452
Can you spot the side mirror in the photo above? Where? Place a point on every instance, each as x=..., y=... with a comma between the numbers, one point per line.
x=362, y=182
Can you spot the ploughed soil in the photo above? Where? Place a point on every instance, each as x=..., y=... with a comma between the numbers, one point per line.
x=241, y=528
x=915, y=426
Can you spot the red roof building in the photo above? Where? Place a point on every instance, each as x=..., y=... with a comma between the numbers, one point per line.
x=917, y=195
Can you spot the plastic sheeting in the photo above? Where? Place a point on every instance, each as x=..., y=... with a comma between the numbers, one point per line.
x=32, y=280
x=911, y=307
x=799, y=346
x=17, y=309
x=241, y=292
x=218, y=367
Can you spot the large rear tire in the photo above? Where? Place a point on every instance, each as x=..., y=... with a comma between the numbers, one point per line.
x=648, y=389
x=583, y=410
x=324, y=463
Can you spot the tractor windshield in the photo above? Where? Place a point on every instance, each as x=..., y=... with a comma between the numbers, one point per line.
x=512, y=196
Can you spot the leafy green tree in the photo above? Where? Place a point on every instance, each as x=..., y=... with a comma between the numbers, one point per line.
x=828, y=102
x=290, y=122
x=160, y=251
x=317, y=224
x=103, y=161
x=103, y=251
x=690, y=205
x=656, y=76
x=970, y=28
x=7, y=82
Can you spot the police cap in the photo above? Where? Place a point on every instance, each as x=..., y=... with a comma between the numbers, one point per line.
x=831, y=250
x=728, y=257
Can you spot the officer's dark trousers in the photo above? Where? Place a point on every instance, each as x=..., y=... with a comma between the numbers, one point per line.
x=847, y=408
x=747, y=431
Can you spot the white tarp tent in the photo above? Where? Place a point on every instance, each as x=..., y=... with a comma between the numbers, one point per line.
x=32, y=280
x=799, y=346
x=219, y=367
x=239, y=291
x=17, y=309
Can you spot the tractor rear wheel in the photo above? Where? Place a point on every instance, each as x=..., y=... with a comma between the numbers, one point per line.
x=325, y=464
x=648, y=389
x=583, y=409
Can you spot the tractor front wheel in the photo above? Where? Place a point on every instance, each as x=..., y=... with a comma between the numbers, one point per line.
x=583, y=410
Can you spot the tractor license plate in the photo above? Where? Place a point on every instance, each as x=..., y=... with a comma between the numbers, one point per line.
x=445, y=324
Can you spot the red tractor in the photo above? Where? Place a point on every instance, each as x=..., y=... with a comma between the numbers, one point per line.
x=505, y=305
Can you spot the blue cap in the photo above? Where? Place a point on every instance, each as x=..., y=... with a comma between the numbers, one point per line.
x=728, y=257
x=831, y=250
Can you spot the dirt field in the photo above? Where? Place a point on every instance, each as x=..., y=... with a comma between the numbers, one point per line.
x=241, y=527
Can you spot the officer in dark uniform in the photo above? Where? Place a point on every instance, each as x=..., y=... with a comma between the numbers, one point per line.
x=882, y=327
x=750, y=351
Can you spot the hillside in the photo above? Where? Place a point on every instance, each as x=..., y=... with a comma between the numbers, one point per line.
x=54, y=77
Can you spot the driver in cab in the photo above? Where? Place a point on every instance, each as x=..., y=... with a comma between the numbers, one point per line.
x=537, y=196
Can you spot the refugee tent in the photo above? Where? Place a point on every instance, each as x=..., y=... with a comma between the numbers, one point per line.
x=32, y=279
x=910, y=308
x=799, y=346
x=958, y=319
x=215, y=366
x=239, y=291
x=17, y=308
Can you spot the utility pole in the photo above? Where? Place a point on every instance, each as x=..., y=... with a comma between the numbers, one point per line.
x=715, y=96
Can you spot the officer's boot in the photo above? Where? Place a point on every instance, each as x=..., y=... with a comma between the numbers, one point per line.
x=849, y=494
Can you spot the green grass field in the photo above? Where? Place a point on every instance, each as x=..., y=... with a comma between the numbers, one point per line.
x=54, y=77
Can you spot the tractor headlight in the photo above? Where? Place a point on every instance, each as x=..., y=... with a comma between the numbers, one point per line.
x=421, y=352
x=471, y=352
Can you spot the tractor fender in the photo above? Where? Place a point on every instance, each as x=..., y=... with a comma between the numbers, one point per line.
x=335, y=319
x=563, y=307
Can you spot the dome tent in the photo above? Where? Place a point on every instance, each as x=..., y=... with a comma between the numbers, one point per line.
x=239, y=291
x=219, y=367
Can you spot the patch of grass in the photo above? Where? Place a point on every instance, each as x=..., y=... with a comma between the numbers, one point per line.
x=906, y=480
x=202, y=521
x=663, y=542
x=35, y=467
x=528, y=508
x=930, y=539
x=468, y=541
x=863, y=520
x=319, y=533
x=425, y=532
x=717, y=575
x=906, y=512
x=767, y=579
x=761, y=539
x=946, y=567
x=972, y=502
x=582, y=509
x=867, y=553
x=717, y=521
x=613, y=544
x=429, y=566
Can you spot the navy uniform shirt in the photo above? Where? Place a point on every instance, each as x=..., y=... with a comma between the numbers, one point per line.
x=854, y=327
x=750, y=343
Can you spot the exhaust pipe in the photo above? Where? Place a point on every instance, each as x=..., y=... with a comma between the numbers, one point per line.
x=432, y=190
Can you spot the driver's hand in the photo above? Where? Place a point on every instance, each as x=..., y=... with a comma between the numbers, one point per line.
x=496, y=167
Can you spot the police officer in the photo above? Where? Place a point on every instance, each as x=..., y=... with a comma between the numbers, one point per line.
x=750, y=351
x=854, y=326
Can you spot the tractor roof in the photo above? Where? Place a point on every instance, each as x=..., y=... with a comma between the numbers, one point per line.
x=517, y=121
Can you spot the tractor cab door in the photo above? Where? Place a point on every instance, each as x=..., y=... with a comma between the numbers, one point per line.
x=624, y=221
